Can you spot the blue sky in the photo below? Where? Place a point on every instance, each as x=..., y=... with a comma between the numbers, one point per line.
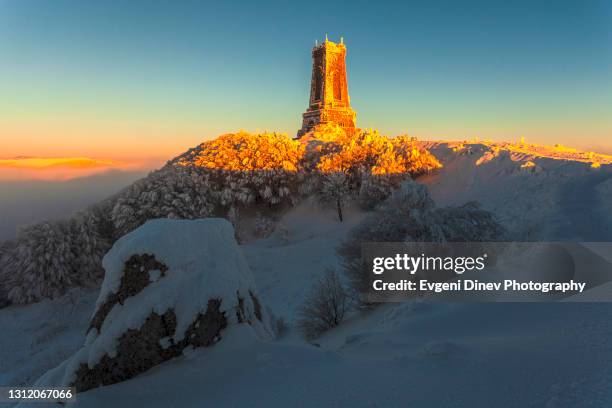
x=153, y=78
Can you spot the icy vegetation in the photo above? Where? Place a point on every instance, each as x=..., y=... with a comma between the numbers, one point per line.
x=410, y=215
x=48, y=258
x=233, y=176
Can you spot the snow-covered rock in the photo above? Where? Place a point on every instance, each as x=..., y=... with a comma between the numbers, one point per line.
x=169, y=285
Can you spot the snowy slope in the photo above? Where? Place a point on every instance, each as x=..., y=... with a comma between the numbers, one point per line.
x=284, y=271
x=538, y=193
x=414, y=354
x=37, y=337
x=504, y=355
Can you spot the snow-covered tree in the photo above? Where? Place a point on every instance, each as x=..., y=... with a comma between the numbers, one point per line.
x=469, y=223
x=102, y=214
x=409, y=215
x=373, y=164
x=334, y=191
x=374, y=190
x=167, y=193
x=41, y=264
x=370, y=152
x=89, y=247
x=248, y=169
x=244, y=151
x=48, y=258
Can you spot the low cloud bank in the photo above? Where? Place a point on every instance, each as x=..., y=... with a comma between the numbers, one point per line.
x=25, y=201
x=65, y=168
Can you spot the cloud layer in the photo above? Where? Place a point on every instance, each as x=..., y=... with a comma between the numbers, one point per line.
x=63, y=168
x=29, y=201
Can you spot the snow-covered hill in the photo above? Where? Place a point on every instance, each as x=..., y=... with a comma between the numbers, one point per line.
x=410, y=354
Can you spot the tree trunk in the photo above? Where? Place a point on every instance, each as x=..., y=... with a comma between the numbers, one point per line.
x=339, y=206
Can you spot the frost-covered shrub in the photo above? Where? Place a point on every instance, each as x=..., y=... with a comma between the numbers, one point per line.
x=90, y=245
x=469, y=223
x=191, y=192
x=167, y=193
x=247, y=170
x=48, y=258
x=372, y=164
x=264, y=188
x=406, y=213
x=409, y=215
x=42, y=261
x=244, y=151
x=410, y=196
x=334, y=191
x=324, y=307
x=102, y=213
x=367, y=151
x=374, y=190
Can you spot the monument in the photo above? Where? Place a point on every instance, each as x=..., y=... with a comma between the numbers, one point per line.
x=329, y=98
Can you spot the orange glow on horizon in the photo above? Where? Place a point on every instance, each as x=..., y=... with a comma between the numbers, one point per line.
x=66, y=168
x=48, y=163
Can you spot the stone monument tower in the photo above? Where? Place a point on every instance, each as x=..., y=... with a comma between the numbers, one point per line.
x=329, y=98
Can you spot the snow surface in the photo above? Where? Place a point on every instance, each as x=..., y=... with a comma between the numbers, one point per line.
x=37, y=337
x=410, y=354
x=285, y=269
x=424, y=355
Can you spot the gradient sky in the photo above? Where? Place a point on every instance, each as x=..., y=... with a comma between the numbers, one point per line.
x=149, y=79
